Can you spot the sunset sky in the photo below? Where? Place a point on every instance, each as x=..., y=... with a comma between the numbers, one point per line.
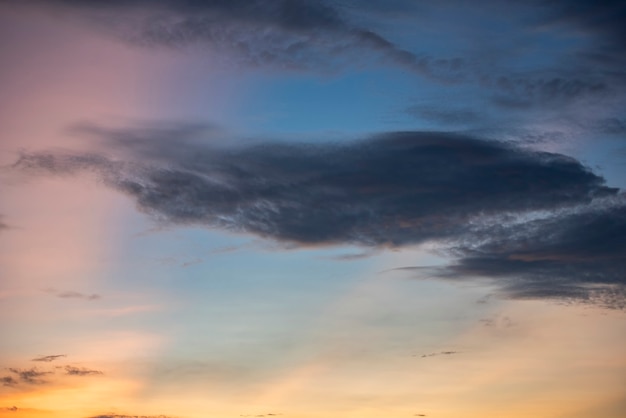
x=312, y=209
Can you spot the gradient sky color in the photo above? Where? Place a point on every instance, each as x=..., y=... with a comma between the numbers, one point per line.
x=312, y=209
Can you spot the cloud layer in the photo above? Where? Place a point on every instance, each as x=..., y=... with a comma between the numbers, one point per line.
x=324, y=36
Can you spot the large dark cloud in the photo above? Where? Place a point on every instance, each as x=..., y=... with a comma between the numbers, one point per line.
x=540, y=224
x=394, y=189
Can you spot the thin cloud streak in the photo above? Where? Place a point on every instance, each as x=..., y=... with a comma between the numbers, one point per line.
x=78, y=371
x=130, y=416
x=31, y=376
x=50, y=358
x=78, y=295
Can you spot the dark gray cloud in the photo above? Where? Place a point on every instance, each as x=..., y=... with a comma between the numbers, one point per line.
x=50, y=358
x=579, y=255
x=80, y=371
x=542, y=225
x=31, y=376
x=394, y=189
x=576, y=256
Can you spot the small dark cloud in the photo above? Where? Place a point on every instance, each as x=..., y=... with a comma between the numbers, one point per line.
x=353, y=256
x=76, y=371
x=8, y=381
x=49, y=358
x=440, y=353
x=31, y=376
x=498, y=322
x=78, y=295
x=11, y=408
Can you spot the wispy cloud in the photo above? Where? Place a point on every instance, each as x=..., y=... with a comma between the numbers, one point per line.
x=31, y=376
x=353, y=256
x=440, y=353
x=71, y=294
x=80, y=371
x=8, y=381
x=327, y=36
x=49, y=358
x=286, y=34
x=78, y=295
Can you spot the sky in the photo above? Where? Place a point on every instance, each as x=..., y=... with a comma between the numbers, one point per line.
x=312, y=209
